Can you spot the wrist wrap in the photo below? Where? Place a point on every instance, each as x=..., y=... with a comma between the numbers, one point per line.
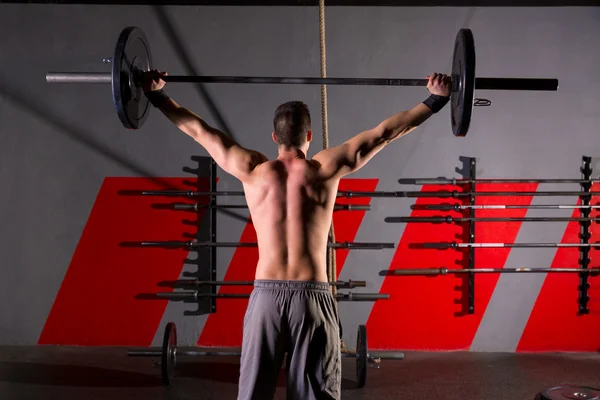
x=436, y=102
x=157, y=97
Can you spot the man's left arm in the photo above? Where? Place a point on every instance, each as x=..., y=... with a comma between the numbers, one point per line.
x=227, y=153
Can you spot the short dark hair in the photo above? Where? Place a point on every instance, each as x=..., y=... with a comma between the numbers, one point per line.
x=291, y=123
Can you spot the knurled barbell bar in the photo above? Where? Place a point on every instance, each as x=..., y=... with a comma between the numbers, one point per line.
x=198, y=244
x=169, y=352
x=196, y=207
x=349, y=284
x=449, y=220
x=132, y=56
x=459, y=207
x=455, y=245
x=351, y=194
x=464, y=181
x=192, y=296
x=457, y=271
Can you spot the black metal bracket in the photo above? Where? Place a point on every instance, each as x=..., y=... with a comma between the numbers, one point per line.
x=471, y=277
x=213, y=234
x=584, y=237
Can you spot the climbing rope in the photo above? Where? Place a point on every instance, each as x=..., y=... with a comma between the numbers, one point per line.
x=331, y=259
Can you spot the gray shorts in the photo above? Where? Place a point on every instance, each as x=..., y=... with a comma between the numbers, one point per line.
x=298, y=318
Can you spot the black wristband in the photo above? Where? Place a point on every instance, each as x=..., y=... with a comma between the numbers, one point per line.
x=436, y=102
x=157, y=97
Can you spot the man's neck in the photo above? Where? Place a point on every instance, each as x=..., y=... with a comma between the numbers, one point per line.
x=291, y=153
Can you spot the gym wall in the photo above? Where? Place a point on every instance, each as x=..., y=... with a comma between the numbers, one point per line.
x=65, y=159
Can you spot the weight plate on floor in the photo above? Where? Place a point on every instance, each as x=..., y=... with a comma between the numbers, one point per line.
x=570, y=392
x=132, y=54
x=463, y=82
x=361, y=356
x=169, y=353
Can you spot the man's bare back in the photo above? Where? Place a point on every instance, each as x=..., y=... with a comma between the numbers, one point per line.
x=291, y=205
x=291, y=199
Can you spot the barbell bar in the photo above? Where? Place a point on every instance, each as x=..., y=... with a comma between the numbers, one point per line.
x=189, y=296
x=169, y=352
x=132, y=57
x=461, y=181
x=455, y=245
x=448, y=271
x=459, y=207
x=198, y=244
x=521, y=84
x=349, y=284
x=356, y=194
x=450, y=220
x=196, y=207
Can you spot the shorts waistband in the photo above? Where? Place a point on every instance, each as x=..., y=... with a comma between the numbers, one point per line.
x=291, y=285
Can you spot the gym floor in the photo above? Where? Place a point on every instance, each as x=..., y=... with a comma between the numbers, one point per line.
x=107, y=373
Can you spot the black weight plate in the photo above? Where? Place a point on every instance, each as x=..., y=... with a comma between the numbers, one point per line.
x=463, y=82
x=361, y=356
x=169, y=354
x=569, y=392
x=132, y=54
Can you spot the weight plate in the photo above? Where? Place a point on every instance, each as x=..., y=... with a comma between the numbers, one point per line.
x=132, y=55
x=463, y=82
x=169, y=353
x=569, y=392
x=361, y=356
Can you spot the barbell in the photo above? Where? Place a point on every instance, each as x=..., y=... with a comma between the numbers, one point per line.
x=459, y=207
x=349, y=284
x=194, y=296
x=193, y=244
x=197, y=207
x=132, y=56
x=458, y=271
x=169, y=352
x=455, y=245
x=354, y=194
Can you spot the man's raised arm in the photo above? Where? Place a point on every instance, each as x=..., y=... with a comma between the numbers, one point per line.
x=353, y=154
x=227, y=153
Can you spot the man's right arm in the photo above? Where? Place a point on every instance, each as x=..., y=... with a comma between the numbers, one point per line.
x=353, y=154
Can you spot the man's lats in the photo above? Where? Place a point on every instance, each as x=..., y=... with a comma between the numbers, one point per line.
x=291, y=207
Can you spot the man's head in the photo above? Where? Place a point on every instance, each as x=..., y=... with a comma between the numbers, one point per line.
x=291, y=126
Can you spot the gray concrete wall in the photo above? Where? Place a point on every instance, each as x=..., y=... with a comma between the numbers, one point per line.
x=58, y=142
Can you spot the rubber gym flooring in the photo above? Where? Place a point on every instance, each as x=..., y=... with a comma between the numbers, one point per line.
x=107, y=373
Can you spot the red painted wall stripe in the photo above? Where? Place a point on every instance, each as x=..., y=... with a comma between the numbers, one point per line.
x=554, y=323
x=224, y=328
x=96, y=303
x=429, y=313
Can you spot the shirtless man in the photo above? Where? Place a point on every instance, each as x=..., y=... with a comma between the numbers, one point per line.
x=291, y=200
